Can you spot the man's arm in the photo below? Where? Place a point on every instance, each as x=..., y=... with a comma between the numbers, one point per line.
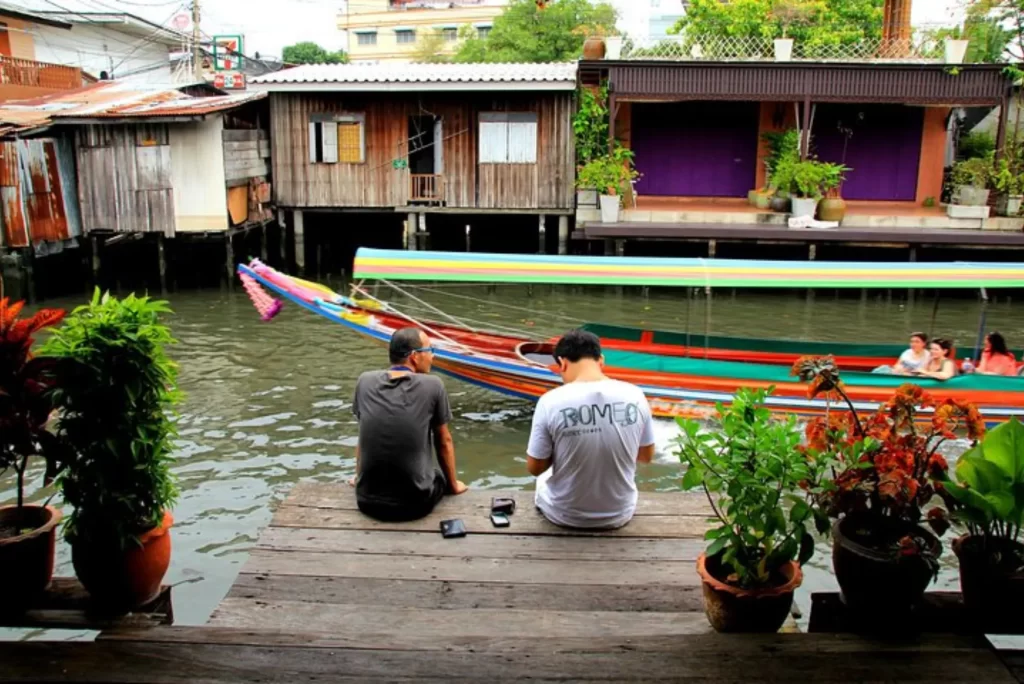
x=537, y=467
x=646, y=452
x=445, y=446
x=540, y=448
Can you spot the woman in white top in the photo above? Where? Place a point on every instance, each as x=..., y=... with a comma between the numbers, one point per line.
x=915, y=358
x=940, y=364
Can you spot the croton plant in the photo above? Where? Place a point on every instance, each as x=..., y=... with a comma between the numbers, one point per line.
x=883, y=468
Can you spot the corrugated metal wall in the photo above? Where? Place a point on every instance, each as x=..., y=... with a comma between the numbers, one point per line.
x=124, y=178
x=37, y=181
x=548, y=184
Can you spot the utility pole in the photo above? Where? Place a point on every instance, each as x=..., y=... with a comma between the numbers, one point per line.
x=197, y=52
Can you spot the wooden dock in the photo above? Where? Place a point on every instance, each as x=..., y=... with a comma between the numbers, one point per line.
x=330, y=595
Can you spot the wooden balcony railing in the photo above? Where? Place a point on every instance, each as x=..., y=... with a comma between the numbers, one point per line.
x=426, y=187
x=26, y=72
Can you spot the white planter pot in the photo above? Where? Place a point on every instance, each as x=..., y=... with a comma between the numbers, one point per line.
x=586, y=198
x=954, y=50
x=1013, y=205
x=613, y=47
x=970, y=196
x=783, y=49
x=804, y=206
x=962, y=211
x=610, y=208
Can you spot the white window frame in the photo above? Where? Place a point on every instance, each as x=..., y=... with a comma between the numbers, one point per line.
x=449, y=34
x=508, y=138
x=401, y=36
x=366, y=38
x=328, y=148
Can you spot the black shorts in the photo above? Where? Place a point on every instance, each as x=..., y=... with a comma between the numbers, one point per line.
x=390, y=511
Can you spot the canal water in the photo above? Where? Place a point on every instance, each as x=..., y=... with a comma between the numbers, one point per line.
x=268, y=404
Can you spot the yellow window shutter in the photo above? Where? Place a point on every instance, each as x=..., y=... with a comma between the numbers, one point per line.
x=350, y=142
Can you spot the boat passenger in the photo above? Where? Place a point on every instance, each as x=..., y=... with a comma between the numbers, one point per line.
x=996, y=359
x=940, y=364
x=401, y=412
x=586, y=440
x=914, y=358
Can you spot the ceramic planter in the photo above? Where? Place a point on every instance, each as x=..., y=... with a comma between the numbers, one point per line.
x=960, y=211
x=586, y=198
x=970, y=196
x=594, y=48
x=991, y=584
x=832, y=209
x=732, y=609
x=783, y=49
x=752, y=197
x=954, y=50
x=763, y=201
x=783, y=205
x=879, y=580
x=1009, y=205
x=26, y=559
x=610, y=208
x=804, y=206
x=613, y=47
x=124, y=579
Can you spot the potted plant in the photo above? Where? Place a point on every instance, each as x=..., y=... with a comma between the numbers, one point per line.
x=116, y=387
x=612, y=175
x=988, y=500
x=832, y=207
x=783, y=149
x=789, y=13
x=954, y=50
x=27, y=531
x=749, y=468
x=590, y=129
x=872, y=476
x=1010, y=185
x=970, y=179
x=804, y=181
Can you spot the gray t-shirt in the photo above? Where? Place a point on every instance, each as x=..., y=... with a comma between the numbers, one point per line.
x=396, y=416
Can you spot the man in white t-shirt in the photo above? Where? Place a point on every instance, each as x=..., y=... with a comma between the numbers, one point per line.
x=587, y=438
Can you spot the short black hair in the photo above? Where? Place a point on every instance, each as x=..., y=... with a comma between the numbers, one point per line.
x=578, y=344
x=921, y=336
x=403, y=343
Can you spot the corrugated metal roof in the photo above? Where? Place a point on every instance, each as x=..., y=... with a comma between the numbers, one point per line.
x=421, y=76
x=113, y=100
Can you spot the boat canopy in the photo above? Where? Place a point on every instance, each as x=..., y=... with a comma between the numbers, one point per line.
x=383, y=264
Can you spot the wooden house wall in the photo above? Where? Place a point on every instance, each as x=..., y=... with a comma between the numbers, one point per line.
x=376, y=183
x=124, y=178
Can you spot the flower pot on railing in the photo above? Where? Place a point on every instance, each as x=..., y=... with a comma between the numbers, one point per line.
x=613, y=47
x=594, y=48
x=804, y=206
x=954, y=51
x=610, y=208
x=783, y=49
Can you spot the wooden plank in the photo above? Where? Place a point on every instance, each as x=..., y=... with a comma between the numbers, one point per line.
x=348, y=619
x=703, y=658
x=636, y=596
x=246, y=170
x=67, y=605
x=340, y=495
x=242, y=135
x=480, y=546
x=649, y=526
x=470, y=569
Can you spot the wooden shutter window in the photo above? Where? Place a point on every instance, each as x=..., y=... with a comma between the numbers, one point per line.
x=350, y=142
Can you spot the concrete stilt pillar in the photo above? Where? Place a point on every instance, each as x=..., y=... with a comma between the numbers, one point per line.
x=563, y=234
x=96, y=265
x=812, y=252
x=299, y=227
x=542, y=234
x=712, y=248
x=263, y=243
x=609, y=247
x=28, y=258
x=620, y=248
x=162, y=262
x=411, y=226
x=229, y=261
x=469, y=242
x=422, y=239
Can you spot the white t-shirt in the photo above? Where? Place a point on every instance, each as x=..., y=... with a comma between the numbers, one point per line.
x=912, y=361
x=593, y=431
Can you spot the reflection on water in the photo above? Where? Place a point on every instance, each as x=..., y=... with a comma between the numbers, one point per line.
x=269, y=404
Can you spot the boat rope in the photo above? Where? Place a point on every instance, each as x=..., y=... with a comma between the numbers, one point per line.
x=390, y=309
x=512, y=307
x=430, y=306
x=487, y=327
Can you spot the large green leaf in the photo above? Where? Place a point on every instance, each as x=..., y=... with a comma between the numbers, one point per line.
x=693, y=478
x=981, y=474
x=1004, y=447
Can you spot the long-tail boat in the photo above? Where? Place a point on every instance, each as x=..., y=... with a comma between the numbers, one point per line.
x=517, y=365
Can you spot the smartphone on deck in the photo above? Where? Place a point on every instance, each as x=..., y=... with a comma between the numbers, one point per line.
x=500, y=520
x=451, y=529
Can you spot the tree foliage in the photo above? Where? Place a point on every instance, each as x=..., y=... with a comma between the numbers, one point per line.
x=995, y=29
x=308, y=52
x=811, y=22
x=431, y=49
x=526, y=33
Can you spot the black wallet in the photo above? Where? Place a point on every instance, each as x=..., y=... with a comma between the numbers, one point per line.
x=503, y=504
x=450, y=529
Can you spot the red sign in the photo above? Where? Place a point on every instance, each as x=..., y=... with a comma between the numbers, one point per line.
x=218, y=81
x=238, y=81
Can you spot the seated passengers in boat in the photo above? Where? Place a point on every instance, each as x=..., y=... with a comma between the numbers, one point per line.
x=914, y=358
x=586, y=440
x=402, y=412
x=996, y=359
x=940, y=364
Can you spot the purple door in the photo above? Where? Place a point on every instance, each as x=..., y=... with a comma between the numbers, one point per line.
x=696, y=149
x=883, y=147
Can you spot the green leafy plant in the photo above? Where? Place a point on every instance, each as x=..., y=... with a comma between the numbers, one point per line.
x=782, y=146
x=750, y=469
x=610, y=174
x=791, y=13
x=25, y=406
x=115, y=390
x=975, y=172
x=976, y=145
x=929, y=202
x=1006, y=180
x=590, y=125
x=808, y=178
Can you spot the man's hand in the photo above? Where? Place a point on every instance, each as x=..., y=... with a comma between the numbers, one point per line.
x=352, y=482
x=457, y=488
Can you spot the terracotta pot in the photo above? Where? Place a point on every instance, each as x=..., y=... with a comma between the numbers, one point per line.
x=781, y=204
x=123, y=579
x=991, y=584
x=26, y=560
x=879, y=581
x=593, y=48
x=731, y=609
x=832, y=209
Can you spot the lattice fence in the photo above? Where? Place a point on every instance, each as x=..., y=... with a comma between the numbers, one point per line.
x=719, y=48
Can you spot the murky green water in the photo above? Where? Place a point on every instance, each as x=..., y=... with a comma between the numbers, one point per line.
x=268, y=404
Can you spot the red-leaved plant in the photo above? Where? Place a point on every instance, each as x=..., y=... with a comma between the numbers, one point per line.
x=24, y=394
x=881, y=469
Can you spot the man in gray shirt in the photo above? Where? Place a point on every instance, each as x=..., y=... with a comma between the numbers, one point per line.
x=402, y=411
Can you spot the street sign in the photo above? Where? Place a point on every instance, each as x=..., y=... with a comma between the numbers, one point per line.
x=229, y=80
x=227, y=53
x=181, y=21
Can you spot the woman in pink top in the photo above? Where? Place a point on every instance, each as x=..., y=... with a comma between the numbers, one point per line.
x=997, y=359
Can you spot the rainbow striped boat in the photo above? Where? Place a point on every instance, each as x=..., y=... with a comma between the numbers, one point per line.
x=518, y=366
